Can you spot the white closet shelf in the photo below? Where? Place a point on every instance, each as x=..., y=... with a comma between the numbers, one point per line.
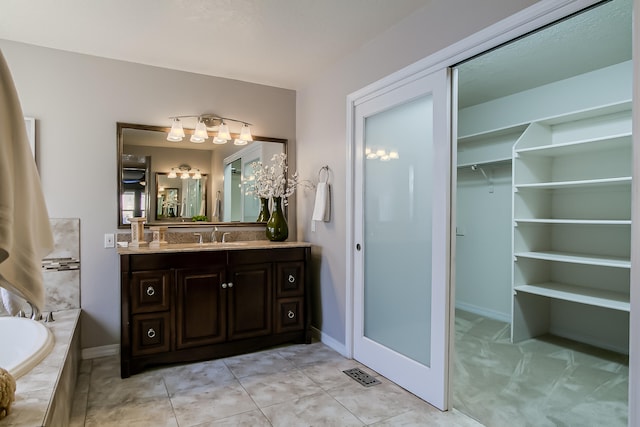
x=574, y=258
x=572, y=221
x=503, y=161
x=600, y=182
x=516, y=129
x=579, y=294
x=582, y=146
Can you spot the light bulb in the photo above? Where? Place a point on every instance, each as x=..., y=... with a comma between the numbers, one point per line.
x=200, y=134
x=245, y=133
x=177, y=133
x=223, y=131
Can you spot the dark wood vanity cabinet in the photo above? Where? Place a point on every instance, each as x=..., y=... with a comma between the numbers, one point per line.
x=189, y=306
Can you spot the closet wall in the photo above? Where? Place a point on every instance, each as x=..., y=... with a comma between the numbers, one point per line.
x=486, y=136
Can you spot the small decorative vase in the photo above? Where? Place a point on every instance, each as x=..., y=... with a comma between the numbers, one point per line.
x=277, y=229
x=264, y=215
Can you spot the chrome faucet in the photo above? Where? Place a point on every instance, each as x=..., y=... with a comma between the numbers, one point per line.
x=213, y=234
x=224, y=237
x=199, y=236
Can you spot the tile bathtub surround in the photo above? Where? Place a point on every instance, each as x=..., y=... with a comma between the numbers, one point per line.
x=44, y=395
x=61, y=268
x=297, y=385
x=547, y=381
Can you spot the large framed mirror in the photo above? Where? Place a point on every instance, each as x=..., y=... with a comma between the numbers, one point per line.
x=184, y=183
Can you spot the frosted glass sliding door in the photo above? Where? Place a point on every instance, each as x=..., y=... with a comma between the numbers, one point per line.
x=401, y=257
x=397, y=228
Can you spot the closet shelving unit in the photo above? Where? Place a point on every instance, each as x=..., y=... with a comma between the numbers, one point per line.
x=493, y=147
x=572, y=227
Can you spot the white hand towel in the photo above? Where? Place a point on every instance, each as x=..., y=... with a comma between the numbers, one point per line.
x=322, y=207
x=25, y=231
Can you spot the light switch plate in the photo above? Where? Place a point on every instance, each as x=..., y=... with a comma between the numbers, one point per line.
x=109, y=240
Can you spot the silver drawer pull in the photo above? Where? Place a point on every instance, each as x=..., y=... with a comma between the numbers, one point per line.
x=150, y=291
x=292, y=278
x=151, y=333
x=231, y=284
x=291, y=314
x=224, y=286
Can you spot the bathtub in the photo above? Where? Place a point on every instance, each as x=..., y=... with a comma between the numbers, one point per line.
x=23, y=344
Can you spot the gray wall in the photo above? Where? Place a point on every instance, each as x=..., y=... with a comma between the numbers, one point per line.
x=321, y=128
x=77, y=100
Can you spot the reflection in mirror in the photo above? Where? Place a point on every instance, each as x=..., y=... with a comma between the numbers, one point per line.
x=134, y=194
x=180, y=197
x=146, y=159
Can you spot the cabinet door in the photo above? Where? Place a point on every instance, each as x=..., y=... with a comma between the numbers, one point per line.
x=250, y=301
x=200, y=307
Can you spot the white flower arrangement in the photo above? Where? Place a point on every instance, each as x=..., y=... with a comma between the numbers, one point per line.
x=271, y=180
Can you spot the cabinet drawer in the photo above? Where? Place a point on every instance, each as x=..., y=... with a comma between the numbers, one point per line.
x=150, y=291
x=290, y=279
x=290, y=314
x=150, y=334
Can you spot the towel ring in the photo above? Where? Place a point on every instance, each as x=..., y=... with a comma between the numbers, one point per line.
x=326, y=170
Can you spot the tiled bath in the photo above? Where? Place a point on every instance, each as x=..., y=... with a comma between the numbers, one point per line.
x=44, y=395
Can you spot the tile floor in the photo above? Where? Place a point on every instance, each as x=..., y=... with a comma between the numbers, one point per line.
x=298, y=385
x=545, y=381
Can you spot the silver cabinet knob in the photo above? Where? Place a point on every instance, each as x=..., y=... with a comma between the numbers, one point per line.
x=224, y=286
x=291, y=314
x=230, y=284
x=151, y=333
x=151, y=291
x=292, y=278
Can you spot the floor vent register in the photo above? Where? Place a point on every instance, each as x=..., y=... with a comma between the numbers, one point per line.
x=361, y=377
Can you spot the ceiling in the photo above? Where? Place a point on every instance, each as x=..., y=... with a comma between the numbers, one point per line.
x=285, y=43
x=590, y=40
x=281, y=43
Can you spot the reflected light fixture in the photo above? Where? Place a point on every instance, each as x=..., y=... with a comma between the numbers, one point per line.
x=184, y=172
x=381, y=154
x=201, y=134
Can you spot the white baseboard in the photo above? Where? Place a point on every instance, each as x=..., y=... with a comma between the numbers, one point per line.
x=329, y=341
x=485, y=312
x=102, y=351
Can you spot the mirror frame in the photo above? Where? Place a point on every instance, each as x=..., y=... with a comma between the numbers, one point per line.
x=165, y=129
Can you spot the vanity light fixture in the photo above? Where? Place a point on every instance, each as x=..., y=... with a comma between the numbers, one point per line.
x=200, y=134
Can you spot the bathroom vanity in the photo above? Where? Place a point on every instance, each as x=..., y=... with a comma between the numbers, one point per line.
x=191, y=302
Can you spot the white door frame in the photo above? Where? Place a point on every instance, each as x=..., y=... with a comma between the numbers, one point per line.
x=534, y=17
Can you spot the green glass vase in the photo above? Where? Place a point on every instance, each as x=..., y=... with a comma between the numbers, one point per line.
x=264, y=215
x=277, y=229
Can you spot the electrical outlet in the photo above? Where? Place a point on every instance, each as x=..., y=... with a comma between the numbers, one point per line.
x=109, y=240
